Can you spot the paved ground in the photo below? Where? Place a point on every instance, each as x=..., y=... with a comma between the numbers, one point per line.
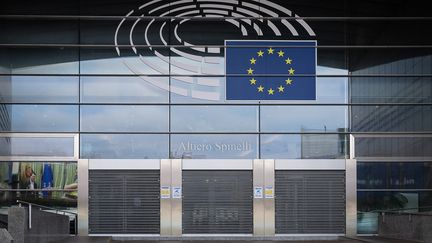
x=342, y=240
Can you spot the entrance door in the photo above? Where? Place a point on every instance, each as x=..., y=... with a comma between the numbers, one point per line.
x=310, y=198
x=124, y=197
x=217, y=197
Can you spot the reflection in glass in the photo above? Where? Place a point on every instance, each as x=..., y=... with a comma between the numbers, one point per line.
x=303, y=146
x=122, y=90
x=39, y=31
x=106, y=61
x=39, y=176
x=40, y=60
x=39, y=118
x=392, y=175
x=51, y=184
x=391, y=89
x=214, y=119
x=124, y=146
x=304, y=118
x=37, y=146
x=386, y=63
x=407, y=118
x=227, y=146
x=370, y=203
x=34, y=89
x=124, y=118
x=212, y=90
x=419, y=146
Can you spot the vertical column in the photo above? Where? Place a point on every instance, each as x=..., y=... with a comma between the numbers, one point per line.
x=269, y=203
x=165, y=197
x=351, y=197
x=258, y=198
x=83, y=196
x=176, y=194
x=351, y=146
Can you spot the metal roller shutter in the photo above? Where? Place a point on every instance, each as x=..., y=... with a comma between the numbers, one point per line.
x=124, y=202
x=310, y=202
x=217, y=202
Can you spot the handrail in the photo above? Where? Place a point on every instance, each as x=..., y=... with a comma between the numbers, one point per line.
x=397, y=209
x=50, y=208
x=405, y=213
x=402, y=211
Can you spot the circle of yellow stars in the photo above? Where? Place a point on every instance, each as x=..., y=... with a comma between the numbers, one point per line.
x=270, y=90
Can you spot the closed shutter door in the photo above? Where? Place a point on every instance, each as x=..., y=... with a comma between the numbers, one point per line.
x=310, y=202
x=124, y=202
x=217, y=202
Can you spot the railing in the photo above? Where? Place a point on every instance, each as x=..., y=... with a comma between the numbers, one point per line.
x=368, y=220
x=406, y=225
x=403, y=211
x=42, y=207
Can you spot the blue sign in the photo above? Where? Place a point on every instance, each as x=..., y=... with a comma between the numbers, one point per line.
x=270, y=70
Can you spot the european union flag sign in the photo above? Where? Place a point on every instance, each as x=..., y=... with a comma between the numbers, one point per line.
x=270, y=70
x=47, y=178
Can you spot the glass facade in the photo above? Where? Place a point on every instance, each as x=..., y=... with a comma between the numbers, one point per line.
x=154, y=88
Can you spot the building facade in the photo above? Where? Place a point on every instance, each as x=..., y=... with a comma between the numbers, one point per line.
x=117, y=111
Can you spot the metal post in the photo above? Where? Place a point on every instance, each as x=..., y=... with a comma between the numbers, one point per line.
x=258, y=198
x=165, y=197
x=351, y=146
x=83, y=195
x=30, y=216
x=176, y=195
x=269, y=197
x=351, y=197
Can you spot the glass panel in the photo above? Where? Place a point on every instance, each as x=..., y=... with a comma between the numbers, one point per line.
x=36, y=146
x=227, y=146
x=391, y=89
x=212, y=90
x=48, y=7
x=126, y=61
x=393, y=147
x=391, y=118
x=39, y=60
x=111, y=31
x=38, y=31
x=391, y=61
x=394, y=175
x=304, y=118
x=123, y=90
x=370, y=203
x=124, y=118
x=385, y=31
x=214, y=118
x=202, y=90
x=39, y=118
x=35, y=176
x=34, y=89
x=122, y=146
x=303, y=146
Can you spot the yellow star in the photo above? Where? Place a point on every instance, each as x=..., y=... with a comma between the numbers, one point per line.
x=288, y=61
x=260, y=88
x=288, y=81
x=270, y=91
x=291, y=71
x=250, y=71
x=270, y=50
x=253, y=81
x=260, y=53
x=281, y=53
x=281, y=88
x=252, y=60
